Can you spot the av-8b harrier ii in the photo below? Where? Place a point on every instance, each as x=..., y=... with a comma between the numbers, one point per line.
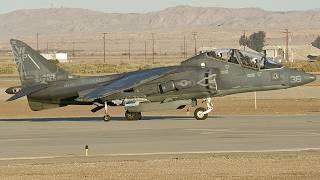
x=217, y=73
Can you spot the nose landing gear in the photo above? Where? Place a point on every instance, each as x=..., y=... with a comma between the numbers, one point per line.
x=202, y=113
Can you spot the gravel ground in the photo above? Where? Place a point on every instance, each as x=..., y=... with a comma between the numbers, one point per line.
x=268, y=165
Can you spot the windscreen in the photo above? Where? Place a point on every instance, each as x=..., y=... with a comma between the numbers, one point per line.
x=269, y=63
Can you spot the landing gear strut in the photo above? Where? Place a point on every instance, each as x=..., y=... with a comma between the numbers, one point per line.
x=133, y=116
x=106, y=117
x=202, y=113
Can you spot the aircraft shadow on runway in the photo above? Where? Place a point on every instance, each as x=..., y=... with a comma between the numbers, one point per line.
x=117, y=118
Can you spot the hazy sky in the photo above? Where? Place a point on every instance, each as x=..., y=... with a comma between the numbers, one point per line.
x=151, y=5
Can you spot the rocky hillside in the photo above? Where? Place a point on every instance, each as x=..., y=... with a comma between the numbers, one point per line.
x=180, y=18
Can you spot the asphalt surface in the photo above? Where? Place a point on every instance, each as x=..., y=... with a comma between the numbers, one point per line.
x=49, y=137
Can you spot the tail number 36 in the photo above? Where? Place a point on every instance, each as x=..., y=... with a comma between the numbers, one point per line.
x=295, y=79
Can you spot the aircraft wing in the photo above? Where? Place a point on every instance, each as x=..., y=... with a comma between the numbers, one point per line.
x=128, y=81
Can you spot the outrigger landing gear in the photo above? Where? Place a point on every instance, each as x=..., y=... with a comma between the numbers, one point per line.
x=106, y=117
x=202, y=113
x=133, y=116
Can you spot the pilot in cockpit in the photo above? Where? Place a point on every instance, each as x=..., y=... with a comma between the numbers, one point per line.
x=212, y=54
x=232, y=57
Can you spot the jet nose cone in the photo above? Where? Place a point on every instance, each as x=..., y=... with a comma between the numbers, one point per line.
x=309, y=78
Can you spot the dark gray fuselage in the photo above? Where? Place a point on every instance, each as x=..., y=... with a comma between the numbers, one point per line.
x=190, y=80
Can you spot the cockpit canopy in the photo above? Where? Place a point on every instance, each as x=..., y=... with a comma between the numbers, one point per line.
x=252, y=60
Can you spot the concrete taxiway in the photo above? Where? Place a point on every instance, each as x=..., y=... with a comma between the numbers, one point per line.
x=49, y=137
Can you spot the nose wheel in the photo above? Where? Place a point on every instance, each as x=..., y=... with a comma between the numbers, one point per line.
x=202, y=113
x=199, y=113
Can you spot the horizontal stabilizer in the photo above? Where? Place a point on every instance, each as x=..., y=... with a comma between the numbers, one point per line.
x=27, y=91
x=13, y=90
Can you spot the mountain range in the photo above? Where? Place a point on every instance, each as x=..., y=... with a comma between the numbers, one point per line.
x=180, y=18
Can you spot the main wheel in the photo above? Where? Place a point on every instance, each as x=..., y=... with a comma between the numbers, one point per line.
x=138, y=116
x=107, y=118
x=133, y=116
x=198, y=114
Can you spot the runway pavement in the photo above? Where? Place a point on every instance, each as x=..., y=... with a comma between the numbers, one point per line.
x=47, y=137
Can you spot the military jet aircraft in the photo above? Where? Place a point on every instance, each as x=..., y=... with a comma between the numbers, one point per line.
x=211, y=74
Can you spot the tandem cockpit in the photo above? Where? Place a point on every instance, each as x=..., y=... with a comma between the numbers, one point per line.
x=251, y=60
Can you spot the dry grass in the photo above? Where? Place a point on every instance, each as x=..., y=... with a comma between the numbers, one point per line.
x=10, y=68
x=306, y=66
x=106, y=68
x=87, y=67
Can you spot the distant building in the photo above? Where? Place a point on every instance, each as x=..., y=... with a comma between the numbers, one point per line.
x=61, y=57
x=206, y=49
x=275, y=52
x=296, y=52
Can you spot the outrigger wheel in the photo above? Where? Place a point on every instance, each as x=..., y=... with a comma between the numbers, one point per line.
x=133, y=116
x=107, y=118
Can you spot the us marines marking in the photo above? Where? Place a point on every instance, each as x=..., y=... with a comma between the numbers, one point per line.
x=275, y=76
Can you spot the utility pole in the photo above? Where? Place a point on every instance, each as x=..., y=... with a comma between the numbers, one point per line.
x=47, y=47
x=104, y=47
x=73, y=48
x=184, y=47
x=287, y=44
x=182, y=51
x=244, y=35
x=202, y=45
x=195, y=42
x=152, y=47
x=37, y=41
x=129, y=49
x=73, y=42
x=145, y=51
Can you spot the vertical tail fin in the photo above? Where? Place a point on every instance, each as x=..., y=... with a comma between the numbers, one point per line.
x=34, y=68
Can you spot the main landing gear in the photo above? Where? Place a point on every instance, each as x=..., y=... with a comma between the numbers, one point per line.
x=131, y=116
x=202, y=113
